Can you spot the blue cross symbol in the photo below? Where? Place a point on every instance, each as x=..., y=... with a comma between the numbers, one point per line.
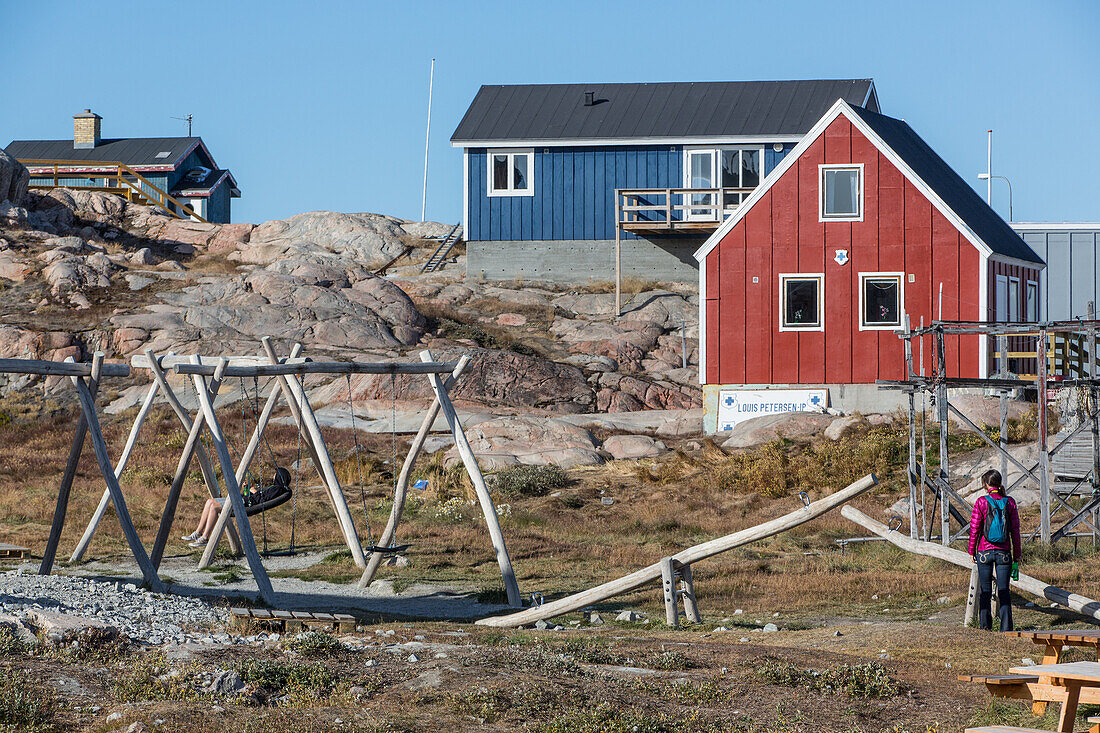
x=729, y=401
x=815, y=399
x=727, y=426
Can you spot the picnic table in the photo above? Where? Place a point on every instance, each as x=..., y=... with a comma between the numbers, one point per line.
x=1054, y=642
x=1068, y=680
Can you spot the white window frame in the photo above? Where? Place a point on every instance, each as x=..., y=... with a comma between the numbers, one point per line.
x=783, y=279
x=1001, y=316
x=863, y=278
x=1031, y=304
x=1014, y=299
x=821, y=169
x=511, y=153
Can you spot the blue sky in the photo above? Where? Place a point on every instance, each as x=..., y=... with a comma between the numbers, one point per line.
x=322, y=105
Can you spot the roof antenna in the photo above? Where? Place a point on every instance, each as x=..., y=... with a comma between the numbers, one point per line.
x=186, y=119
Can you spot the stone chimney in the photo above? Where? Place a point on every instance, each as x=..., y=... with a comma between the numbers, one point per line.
x=86, y=130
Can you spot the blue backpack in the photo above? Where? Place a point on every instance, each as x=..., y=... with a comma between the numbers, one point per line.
x=996, y=529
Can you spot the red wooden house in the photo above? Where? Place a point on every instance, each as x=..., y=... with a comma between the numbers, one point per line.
x=859, y=226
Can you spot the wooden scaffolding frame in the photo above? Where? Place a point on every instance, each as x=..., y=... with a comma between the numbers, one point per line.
x=937, y=390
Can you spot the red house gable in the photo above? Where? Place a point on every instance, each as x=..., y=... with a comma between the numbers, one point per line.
x=898, y=249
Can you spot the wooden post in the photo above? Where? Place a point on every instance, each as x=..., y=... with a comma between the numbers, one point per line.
x=945, y=515
x=486, y=501
x=618, y=260
x=912, y=430
x=324, y=463
x=222, y=523
x=691, y=607
x=971, y=598
x=1094, y=419
x=65, y=489
x=668, y=588
x=402, y=487
x=105, y=499
x=1044, y=456
x=232, y=488
x=87, y=405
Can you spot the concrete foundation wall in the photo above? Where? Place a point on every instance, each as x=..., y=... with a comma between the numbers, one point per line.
x=584, y=261
x=848, y=398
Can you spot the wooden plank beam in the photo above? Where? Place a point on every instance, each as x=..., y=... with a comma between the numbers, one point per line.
x=60, y=368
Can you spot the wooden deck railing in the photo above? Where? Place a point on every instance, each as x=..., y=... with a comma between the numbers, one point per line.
x=1067, y=354
x=665, y=209
x=121, y=179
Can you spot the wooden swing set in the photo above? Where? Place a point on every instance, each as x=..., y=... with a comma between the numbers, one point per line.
x=208, y=375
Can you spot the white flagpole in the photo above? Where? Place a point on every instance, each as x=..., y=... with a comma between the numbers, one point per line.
x=427, y=135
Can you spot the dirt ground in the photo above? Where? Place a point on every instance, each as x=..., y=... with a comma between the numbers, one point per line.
x=870, y=638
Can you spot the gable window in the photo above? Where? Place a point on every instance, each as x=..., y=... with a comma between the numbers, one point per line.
x=801, y=304
x=1033, y=301
x=881, y=300
x=510, y=172
x=841, y=192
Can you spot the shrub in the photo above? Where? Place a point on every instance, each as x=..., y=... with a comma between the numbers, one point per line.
x=11, y=644
x=274, y=677
x=529, y=480
x=313, y=644
x=861, y=680
x=25, y=704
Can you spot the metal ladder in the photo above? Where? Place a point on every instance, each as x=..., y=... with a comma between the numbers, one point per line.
x=436, y=260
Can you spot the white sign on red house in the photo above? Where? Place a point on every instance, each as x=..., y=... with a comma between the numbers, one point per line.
x=738, y=405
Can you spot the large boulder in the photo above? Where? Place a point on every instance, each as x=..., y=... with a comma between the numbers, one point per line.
x=371, y=240
x=982, y=410
x=631, y=447
x=760, y=430
x=535, y=441
x=14, y=178
x=89, y=206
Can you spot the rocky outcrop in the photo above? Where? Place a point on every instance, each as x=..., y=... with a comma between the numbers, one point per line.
x=14, y=178
x=20, y=343
x=370, y=240
x=231, y=314
x=764, y=429
x=632, y=447
x=492, y=378
x=508, y=441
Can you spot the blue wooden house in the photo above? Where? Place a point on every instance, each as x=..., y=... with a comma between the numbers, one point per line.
x=557, y=177
x=177, y=174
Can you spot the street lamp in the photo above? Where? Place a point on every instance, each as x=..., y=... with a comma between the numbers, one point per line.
x=986, y=177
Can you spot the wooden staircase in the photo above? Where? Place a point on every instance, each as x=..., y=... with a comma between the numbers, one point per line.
x=445, y=246
x=121, y=180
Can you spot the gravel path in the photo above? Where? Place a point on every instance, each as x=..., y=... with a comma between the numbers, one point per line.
x=146, y=617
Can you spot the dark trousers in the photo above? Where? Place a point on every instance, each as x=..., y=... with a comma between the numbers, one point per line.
x=994, y=563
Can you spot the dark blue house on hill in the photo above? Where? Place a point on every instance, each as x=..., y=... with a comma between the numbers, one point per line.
x=556, y=175
x=169, y=172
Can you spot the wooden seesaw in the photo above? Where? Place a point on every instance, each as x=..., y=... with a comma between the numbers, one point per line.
x=679, y=564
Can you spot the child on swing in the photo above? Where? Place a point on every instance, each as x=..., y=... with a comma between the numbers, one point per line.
x=280, y=483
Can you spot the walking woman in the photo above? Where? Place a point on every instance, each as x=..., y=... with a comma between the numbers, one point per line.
x=996, y=549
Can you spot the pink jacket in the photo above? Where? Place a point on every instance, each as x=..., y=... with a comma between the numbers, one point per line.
x=978, y=542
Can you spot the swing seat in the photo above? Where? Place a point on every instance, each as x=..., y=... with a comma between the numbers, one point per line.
x=388, y=551
x=278, y=499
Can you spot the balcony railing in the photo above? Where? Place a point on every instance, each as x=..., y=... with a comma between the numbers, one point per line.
x=675, y=209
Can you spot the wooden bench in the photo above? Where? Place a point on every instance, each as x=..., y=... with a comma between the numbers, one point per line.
x=1003, y=685
x=1095, y=720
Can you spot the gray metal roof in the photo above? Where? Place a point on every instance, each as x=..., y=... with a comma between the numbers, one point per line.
x=530, y=112
x=955, y=192
x=135, y=152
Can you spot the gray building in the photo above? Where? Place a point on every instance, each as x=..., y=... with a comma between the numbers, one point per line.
x=1072, y=277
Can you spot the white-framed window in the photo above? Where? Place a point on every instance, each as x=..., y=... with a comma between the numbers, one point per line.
x=802, y=302
x=841, y=188
x=1032, y=301
x=1014, y=300
x=510, y=172
x=1000, y=301
x=881, y=300
x=740, y=167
